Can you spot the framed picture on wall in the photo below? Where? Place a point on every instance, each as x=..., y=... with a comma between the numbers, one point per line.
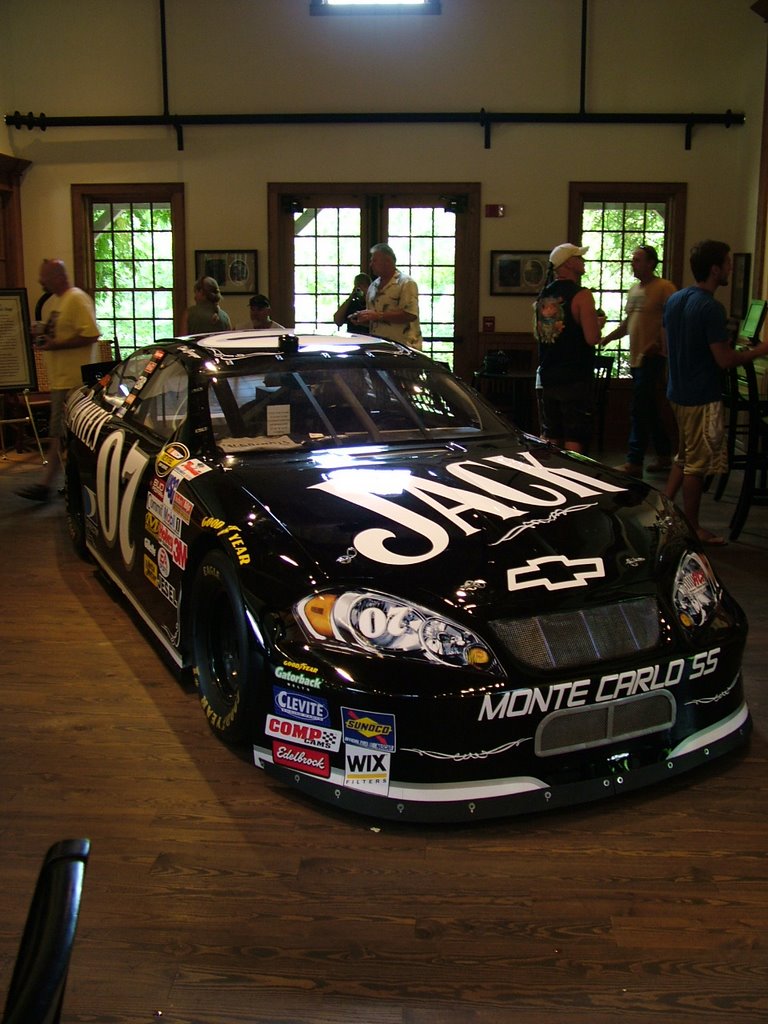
x=740, y=284
x=17, y=366
x=235, y=270
x=518, y=272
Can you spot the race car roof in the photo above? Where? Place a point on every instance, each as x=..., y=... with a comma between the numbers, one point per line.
x=269, y=340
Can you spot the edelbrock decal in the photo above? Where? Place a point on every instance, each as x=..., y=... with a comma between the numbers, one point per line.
x=547, y=488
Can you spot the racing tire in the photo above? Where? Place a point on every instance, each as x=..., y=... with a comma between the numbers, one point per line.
x=73, y=497
x=225, y=660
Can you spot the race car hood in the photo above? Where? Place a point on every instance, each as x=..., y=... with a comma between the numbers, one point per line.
x=501, y=516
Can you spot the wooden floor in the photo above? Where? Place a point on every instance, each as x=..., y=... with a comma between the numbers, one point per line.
x=215, y=895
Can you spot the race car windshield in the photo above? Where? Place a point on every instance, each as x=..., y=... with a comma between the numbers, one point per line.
x=321, y=405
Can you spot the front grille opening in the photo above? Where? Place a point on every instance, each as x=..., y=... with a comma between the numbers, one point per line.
x=598, y=725
x=567, y=639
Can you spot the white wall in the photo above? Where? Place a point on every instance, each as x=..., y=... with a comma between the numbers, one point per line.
x=84, y=57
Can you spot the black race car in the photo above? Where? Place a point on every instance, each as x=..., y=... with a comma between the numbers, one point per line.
x=405, y=605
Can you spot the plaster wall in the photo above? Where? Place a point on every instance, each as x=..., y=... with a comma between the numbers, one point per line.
x=83, y=57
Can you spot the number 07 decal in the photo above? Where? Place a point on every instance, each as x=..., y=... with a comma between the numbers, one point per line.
x=116, y=486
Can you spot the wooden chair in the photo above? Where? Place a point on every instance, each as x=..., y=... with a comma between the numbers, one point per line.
x=36, y=992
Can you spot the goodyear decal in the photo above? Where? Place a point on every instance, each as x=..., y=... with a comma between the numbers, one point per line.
x=211, y=523
x=231, y=534
x=370, y=730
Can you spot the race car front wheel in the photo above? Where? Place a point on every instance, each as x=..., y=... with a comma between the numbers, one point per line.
x=225, y=660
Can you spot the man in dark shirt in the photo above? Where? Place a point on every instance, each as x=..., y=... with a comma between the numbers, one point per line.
x=567, y=329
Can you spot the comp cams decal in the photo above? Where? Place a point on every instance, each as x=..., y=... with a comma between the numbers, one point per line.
x=307, y=733
x=540, y=488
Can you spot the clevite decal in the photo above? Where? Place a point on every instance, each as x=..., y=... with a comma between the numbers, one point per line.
x=555, y=572
x=546, y=488
x=301, y=705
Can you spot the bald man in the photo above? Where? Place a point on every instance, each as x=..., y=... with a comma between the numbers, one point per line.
x=68, y=337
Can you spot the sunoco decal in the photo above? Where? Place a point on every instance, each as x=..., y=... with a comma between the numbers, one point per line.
x=370, y=730
x=540, y=489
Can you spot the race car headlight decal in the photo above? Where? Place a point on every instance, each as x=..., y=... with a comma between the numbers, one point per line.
x=380, y=624
x=697, y=592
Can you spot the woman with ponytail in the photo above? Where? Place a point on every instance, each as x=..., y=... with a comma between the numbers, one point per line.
x=206, y=315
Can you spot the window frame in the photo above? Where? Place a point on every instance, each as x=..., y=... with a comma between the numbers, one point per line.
x=376, y=198
x=82, y=198
x=672, y=194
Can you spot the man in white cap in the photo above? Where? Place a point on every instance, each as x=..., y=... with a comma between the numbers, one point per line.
x=567, y=330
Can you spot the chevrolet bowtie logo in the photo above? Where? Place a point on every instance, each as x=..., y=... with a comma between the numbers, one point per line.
x=555, y=572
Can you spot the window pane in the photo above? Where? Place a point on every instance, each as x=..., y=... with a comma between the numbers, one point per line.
x=613, y=230
x=133, y=251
